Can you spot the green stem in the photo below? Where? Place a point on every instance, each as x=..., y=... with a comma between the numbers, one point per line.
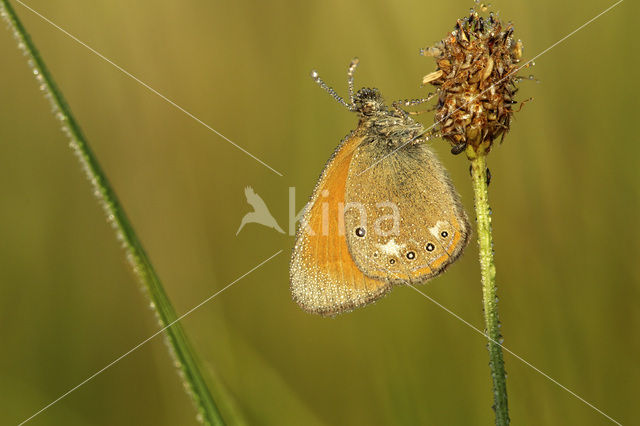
x=179, y=343
x=489, y=296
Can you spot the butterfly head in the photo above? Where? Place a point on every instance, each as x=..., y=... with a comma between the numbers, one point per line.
x=368, y=102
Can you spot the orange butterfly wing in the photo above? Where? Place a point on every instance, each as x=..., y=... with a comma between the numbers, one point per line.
x=324, y=278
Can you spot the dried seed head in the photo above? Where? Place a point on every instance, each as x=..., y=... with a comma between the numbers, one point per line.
x=475, y=81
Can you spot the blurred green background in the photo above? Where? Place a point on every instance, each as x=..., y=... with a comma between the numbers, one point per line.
x=565, y=196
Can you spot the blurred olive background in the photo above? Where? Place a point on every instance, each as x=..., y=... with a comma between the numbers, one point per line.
x=565, y=196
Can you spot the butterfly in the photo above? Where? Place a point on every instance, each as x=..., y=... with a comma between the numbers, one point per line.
x=383, y=213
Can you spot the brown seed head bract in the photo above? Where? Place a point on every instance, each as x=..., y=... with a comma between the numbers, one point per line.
x=475, y=81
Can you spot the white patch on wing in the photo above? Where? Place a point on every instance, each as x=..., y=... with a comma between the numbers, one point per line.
x=435, y=230
x=391, y=247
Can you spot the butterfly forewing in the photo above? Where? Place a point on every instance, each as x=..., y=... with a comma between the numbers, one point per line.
x=324, y=278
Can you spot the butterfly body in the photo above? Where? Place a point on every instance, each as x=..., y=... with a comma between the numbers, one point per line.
x=383, y=213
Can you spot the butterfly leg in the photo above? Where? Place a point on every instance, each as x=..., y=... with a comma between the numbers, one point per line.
x=397, y=105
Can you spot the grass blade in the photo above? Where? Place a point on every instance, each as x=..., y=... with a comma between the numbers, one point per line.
x=181, y=349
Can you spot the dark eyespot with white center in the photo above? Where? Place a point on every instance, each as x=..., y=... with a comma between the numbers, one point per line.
x=392, y=261
x=444, y=234
x=360, y=232
x=411, y=255
x=430, y=247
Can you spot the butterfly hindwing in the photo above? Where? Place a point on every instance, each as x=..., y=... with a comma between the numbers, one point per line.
x=414, y=224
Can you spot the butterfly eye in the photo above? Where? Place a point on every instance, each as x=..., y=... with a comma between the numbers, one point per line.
x=444, y=234
x=411, y=255
x=430, y=247
x=360, y=232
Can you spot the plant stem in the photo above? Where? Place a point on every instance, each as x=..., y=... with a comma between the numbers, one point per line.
x=489, y=297
x=181, y=348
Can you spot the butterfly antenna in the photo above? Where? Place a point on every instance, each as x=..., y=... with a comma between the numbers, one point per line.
x=352, y=69
x=334, y=95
